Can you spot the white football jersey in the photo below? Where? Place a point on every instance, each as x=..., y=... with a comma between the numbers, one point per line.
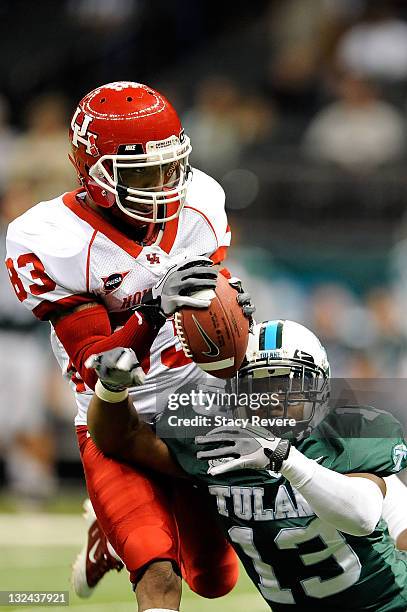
x=62, y=253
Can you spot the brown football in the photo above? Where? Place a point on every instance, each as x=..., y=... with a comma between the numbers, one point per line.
x=215, y=337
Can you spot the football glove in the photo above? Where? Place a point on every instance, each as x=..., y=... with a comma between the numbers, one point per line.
x=176, y=288
x=117, y=369
x=243, y=448
x=243, y=299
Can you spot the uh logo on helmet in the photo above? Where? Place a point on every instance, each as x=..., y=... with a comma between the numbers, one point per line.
x=82, y=135
x=126, y=126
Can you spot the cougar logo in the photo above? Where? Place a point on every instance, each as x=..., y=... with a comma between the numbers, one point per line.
x=153, y=258
x=213, y=348
x=82, y=135
x=113, y=281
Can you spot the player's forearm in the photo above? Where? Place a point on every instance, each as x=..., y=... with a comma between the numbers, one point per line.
x=144, y=449
x=394, y=510
x=110, y=423
x=88, y=331
x=351, y=505
x=118, y=432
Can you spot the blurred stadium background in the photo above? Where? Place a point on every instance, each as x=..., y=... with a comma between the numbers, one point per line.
x=299, y=109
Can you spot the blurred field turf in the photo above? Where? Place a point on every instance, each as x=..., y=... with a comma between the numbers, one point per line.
x=38, y=549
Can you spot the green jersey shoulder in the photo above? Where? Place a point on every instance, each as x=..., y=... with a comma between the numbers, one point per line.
x=358, y=439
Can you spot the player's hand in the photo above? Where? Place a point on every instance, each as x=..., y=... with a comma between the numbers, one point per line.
x=243, y=448
x=117, y=369
x=174, y=289
x=243, y=299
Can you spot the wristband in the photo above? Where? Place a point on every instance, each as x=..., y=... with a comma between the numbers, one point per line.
x=279, y=455
x=113, y=397
x=151, y=310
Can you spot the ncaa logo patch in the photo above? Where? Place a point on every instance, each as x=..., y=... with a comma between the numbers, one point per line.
x=113, y=281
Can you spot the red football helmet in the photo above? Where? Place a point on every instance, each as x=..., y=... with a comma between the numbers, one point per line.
x=130, y=150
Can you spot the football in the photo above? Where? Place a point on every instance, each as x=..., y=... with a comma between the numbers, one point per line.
x=215, y=338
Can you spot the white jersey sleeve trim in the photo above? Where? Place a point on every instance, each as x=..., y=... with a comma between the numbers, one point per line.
x=206, y=197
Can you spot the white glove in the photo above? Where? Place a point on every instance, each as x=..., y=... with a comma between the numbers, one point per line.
x=243, y=448
x=174, y=290
x=117, y=369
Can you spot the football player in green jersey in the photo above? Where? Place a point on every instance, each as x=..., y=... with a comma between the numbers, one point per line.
x=302, y=505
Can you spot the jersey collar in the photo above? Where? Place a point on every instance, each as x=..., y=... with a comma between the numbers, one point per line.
x=75, y=203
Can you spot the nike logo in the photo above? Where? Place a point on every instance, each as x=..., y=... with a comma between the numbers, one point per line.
x=319, y=459
x=213, y=348
x=93, y=550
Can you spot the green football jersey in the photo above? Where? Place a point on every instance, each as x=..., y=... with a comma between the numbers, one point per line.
x=295, y=559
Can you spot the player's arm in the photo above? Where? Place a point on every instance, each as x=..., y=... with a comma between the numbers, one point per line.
x=127, y=438
x=394, y=510
x=113, y=422
x=86, y=330
x=352, y=503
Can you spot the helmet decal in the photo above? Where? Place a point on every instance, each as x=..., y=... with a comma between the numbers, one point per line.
x=270, y=335
x=119, y=85
x=82, y=135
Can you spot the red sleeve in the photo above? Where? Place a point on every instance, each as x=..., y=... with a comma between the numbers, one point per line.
x=89, y=331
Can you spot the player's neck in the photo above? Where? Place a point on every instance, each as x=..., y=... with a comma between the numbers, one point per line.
x=138, y=234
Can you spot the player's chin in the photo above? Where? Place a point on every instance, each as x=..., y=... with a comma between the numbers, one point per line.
x=274, y=412
x=128, y=219
x=141, y=209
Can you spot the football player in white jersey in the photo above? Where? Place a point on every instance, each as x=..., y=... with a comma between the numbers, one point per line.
x=108, y=264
